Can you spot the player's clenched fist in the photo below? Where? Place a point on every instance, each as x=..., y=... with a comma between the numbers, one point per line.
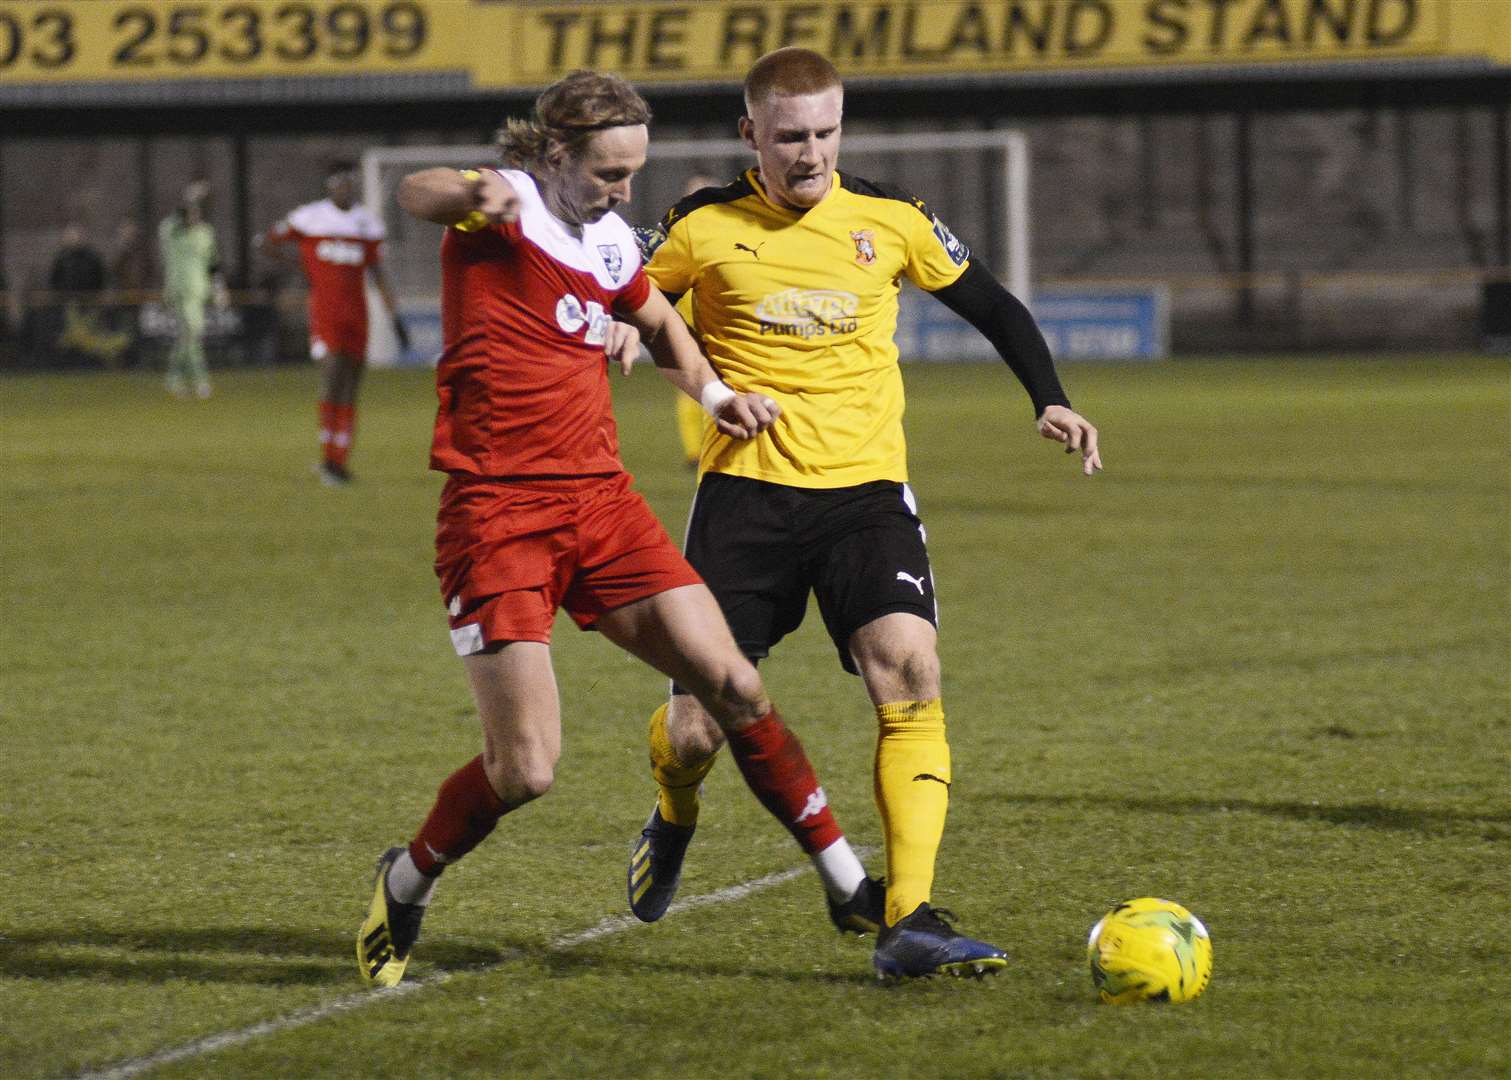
x=745, y=416
x=494, y=197
x=621, y=344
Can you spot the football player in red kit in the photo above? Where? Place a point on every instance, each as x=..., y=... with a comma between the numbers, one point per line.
x=340, y=243
x=538, y=512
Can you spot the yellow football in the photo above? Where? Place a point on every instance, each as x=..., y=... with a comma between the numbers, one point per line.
x=1149, y=950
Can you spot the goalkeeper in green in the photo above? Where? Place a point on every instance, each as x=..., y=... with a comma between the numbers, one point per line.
x=191, y=277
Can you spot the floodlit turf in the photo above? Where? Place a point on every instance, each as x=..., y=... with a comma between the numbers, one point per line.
x=1258, y=667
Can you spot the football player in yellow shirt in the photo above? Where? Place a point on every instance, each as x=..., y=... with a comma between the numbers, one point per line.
x=793, y=271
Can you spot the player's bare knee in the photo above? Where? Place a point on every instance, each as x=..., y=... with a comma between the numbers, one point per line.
x=746, y=687
x=519, y=778
x=920, y=673
x=529, y=784
x=693, y=733
x=733, y=693
x=744, y=701
x=906, y=671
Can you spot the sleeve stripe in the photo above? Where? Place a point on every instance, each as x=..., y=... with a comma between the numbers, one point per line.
x=872, y=189
x=738, y=188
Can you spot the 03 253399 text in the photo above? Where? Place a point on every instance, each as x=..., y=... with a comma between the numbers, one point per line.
x=157, y=38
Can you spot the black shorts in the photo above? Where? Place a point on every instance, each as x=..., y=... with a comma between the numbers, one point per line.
x=763, y=547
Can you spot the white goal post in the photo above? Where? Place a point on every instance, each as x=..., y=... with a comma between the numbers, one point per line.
x=976, y=181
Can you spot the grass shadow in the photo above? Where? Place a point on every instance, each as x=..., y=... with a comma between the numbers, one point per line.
x=1490, y=825
x=572, y=962
x=229, y=954
x=261, y=957
x=1172, y=671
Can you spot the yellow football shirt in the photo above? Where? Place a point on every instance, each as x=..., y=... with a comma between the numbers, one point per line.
x=802, y=306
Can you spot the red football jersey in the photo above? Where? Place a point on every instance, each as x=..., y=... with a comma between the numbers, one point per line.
x=523, y=381
x=336, y=247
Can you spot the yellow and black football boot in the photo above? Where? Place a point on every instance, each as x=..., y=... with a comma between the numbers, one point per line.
x=656, y=866
x=863, y=913
x=389, y=931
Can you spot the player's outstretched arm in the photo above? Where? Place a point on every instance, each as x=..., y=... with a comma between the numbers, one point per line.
x=979, y=298
x=679, y=359
x=469, y=197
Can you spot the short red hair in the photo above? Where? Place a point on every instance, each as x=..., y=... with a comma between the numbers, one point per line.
x=789, y=71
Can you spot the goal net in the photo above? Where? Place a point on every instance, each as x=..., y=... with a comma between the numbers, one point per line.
x=975, y=181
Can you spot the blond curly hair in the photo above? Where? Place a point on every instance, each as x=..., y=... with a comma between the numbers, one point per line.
x=568, y=113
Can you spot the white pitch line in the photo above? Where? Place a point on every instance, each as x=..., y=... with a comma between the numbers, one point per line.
x=313, y=1014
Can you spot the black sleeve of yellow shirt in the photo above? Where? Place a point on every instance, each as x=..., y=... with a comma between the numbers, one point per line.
x=978, y=298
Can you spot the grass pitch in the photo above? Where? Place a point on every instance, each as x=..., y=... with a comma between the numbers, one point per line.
x=1259, y=667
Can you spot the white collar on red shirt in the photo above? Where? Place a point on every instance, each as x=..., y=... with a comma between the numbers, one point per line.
x=606, y=248
x=325, y=218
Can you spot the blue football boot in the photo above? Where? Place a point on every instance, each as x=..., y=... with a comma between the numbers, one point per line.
x=924, y=944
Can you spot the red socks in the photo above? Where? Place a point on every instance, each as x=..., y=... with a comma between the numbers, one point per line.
x=337, y=425
x=774, y=765
x=769, y=756
x=465, y=812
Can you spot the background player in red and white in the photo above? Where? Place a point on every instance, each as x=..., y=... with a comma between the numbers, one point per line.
x=339, y=243
x=538, y=511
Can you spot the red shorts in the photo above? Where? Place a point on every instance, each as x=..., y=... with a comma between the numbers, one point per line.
x=342, y=339
x=508, y=554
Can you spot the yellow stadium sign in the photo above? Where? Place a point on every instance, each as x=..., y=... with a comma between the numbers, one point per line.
x=529, y=43
x=716, y=41
x=115, y=40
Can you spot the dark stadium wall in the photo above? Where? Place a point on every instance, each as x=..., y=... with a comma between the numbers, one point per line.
x=1263, y=204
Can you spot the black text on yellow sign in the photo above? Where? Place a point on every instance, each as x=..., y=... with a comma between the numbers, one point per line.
x=108, y=40
x=530, y=43
x=715, y=40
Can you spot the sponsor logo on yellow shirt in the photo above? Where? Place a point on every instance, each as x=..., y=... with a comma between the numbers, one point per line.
x=808, y=312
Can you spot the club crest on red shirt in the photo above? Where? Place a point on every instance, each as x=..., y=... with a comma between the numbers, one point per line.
x=613, y=261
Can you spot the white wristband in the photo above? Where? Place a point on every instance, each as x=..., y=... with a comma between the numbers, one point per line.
x=715, y=394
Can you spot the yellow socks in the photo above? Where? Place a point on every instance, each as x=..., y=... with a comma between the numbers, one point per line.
x=678, y=798
x=913, y=794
